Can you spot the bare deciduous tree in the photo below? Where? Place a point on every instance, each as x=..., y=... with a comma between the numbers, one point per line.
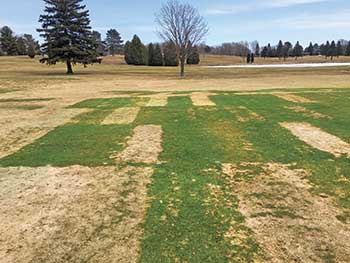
x=183, y=25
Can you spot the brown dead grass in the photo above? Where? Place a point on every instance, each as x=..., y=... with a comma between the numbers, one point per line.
x=318, y=139
x=293, y=98
x=19, y=128
x=202, y=99
x=243, y=114
x=72, y=214
x=308, y=113
x=290, y=223
x=144, y=146
x=160, y=100
x=122, y=116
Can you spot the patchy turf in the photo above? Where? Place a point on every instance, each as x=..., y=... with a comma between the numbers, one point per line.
x=231, y=182
x=111, y=103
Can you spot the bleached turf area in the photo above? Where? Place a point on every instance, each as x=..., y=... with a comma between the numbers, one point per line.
x=300, y=65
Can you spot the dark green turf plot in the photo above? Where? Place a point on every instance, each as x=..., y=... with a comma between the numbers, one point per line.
x=72, y=144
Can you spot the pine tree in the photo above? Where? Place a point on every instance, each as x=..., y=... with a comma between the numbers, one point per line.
x=287, y=47
x=32, y=44
x=340, y=50
x=310, y=49
x=327, y=49
x=138, y=52
x=264, y=52
x=157, y=56
x=67, y=33
x=280, y=49
x=114, y=42
x=8, y=41
x=269, y=50
x=97, y=38
x=31, y=51
x=332, y=50
x=21, y=46
x=257, y=50
x=298, y=50
x=127, y=53
x=135, y=52
x=170, y=55
x=347, y=51
x=150, y=54
x=193, y=57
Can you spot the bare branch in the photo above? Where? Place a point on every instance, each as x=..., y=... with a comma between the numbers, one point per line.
x=183, y=25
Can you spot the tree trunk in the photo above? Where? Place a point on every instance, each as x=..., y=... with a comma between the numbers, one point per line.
x=182, y=62
x=69, y=67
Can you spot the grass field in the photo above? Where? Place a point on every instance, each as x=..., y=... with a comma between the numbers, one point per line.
x=130, y=164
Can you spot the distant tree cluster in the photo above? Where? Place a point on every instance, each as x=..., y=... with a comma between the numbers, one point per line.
x=229, y=49
x=136, y=53
x=282, y=50
x=13, y=45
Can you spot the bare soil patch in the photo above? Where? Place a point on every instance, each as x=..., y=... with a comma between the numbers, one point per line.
x=144, y=146
x=308, y=113
x=72, y=214
x=290, y=223
x=19, y=128
x=122, y=116
x=318, y=139
x=202, y=99
x=292, y=98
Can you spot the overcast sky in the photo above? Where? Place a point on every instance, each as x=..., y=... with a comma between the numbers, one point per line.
x=229, y=21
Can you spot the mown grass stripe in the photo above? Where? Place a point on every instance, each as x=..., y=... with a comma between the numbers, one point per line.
x=181, y=224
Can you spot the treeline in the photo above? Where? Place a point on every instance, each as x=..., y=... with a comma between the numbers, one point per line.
x=13, y=45
x=284, y=50
x=136, y=53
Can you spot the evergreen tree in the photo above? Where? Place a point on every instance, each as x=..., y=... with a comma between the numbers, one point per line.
x=170, y=55
x=135, y=52
x=67, y=33
x=332, y=50
x=138, y=51
x=8, y=41
x=150, y=54
x=310, y=49
x=127, y=53
x=99, y=43
x=298, y=50
x=317, y=49
x=155, y=56
x=269, y=50
x=327, y=49
x=31, y=44
x=264, y=52
x=21, y=46
x=257, y=50
x=114, y=42
x=287, y=47
x=193, y=57
x=31, y=51
x=280, y=49
x=347, y=51
x=340, y=50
